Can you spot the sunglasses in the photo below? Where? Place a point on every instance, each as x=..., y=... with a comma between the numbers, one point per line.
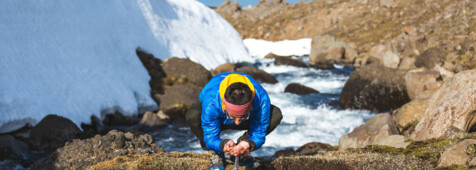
x=237, y=118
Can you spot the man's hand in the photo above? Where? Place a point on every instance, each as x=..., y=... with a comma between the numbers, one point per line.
x=242, y=149
x=229, y=148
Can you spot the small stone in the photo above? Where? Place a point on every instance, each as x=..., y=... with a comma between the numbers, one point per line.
x=129, y=135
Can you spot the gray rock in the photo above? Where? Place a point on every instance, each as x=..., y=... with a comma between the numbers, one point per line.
x=178, y=99
x=227, y=67
x=278, y=60
x=407, y=116
x=407, y=63
x=322, y=46
x=185, y=71
x=457, y=153
x=430, y=58
x=375, y=129
x=374, y=87
x=52, y=132
x=300, y=89
x=396, y=141
x=154, y=68
x=152, y=119
x=418, y=81
x=259, y=75
x=451, y=111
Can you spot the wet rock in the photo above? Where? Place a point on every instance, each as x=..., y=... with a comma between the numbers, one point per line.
x=300, y=89
x=259, y=75
x=313, y=148
x=81, y=154
x=408, y=116
x=278, y=60
x=152, y=119
x=154, y=68
x=227, y=67
x=185, y=71
x=374, y=87
x=178, y=99
x=458, y=154
x=418, y=81
x=13, y=149
x=52, y=132
x=378, y=127
x=429, y=58
x=118, y=119
x=96, y=127
x=451, y=111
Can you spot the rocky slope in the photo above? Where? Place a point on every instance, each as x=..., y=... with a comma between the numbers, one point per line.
x=409, y=27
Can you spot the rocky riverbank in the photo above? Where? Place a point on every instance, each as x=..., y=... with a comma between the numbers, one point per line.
x=415, y=65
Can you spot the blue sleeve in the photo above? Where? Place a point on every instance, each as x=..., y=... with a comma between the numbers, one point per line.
x=211, y=126
x=260, y=122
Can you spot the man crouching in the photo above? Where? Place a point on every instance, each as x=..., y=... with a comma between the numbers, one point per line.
x=233, y=101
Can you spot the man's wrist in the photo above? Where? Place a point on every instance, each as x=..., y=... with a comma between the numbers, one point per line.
x=251, y=143
x=223, y=142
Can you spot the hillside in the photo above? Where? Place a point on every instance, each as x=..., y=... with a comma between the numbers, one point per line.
x=447, y=24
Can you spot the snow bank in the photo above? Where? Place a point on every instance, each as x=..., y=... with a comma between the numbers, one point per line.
x=77, y=58
x=260, y=48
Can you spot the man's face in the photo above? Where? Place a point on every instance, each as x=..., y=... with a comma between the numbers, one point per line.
x=237, y=120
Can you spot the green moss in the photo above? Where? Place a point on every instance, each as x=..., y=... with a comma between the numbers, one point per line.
x=377, y=149
x=428, y=150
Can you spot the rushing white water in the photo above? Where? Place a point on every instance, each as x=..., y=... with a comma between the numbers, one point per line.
x=306, y=118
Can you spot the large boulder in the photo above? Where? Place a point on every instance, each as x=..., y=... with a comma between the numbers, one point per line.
x=458, y=154
x=429, y=58
x=178, y=99
x=185, y=71
x=409, y=115
x=300, y=89
x=376, y=88
x=386, y=55
x=452, y=109
x=278, y=60
x=417, y=81
x=81, y=154
x=327, y=50
x=118, y=119
x=227, y=67
x=154, y=68
x=52, y=132
x=259, y=75
x=378, y=127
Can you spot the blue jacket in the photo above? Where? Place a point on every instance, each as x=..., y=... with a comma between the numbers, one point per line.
x=213, y=115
